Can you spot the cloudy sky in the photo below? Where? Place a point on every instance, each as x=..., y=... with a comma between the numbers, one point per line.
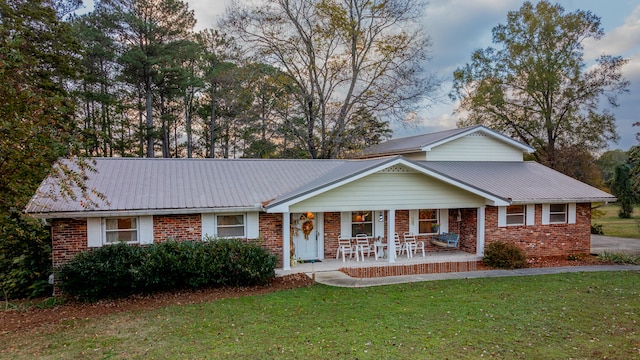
x=458, y=27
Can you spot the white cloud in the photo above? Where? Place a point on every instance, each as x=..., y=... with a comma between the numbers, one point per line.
x=208, y=12
x=618, y=41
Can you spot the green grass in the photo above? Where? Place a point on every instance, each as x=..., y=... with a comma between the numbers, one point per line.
x=579, y=315
x=612, y=225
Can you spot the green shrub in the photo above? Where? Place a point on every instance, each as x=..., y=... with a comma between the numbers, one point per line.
x=504, y=255
x=121, y=270
x=25, y=257
x=596, y=229
x=110, y=271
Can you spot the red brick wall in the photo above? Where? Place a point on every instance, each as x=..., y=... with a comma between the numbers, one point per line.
x=544, y=240
x=402, y=222
x=177, y=227
x=69, y=237
x=331, y=234
x=398, y=270
x=270, y=230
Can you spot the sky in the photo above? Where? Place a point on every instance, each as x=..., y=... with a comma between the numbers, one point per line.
x=459, y=27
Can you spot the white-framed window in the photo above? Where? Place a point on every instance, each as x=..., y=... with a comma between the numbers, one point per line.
x=230, y=225
x=428, y=221
x=557, y=213
x=362, y=223
x=516, y=215
x=122, y=229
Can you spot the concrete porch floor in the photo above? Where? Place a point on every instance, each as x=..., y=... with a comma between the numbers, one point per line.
x=333, y=264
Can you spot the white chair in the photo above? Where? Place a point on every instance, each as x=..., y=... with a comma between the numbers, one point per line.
x=345, y=247
x=363, y=245
x=411, y=245
x=397, y=243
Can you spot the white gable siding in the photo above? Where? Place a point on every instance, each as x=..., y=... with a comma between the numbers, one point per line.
x=475, y=147
x=390, y=189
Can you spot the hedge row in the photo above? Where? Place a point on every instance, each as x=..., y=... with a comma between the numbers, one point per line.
x=121, y=270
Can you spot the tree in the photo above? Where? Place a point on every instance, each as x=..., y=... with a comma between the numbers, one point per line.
x=622, y=188
x=342, y=56
x=38, y=56
x=634, y=160
x=608, y=161
x=535, y=86
x=149, y=32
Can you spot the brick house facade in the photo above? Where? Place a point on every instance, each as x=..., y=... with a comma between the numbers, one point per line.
x=70, y=235
x=474, y=179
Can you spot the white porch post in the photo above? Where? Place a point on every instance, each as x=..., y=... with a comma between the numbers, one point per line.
x=391, y=244
x=480, y=235
x=286, y=239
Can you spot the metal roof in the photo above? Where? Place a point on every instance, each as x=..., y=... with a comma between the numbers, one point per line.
x=420, y=142
x=520, y=181
x=131, y=184
x=135, y=185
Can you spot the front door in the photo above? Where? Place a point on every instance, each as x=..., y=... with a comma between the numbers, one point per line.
x=304, y=231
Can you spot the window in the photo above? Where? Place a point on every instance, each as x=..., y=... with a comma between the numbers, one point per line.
x=516, y=214
x=121, y=229
x=427, y=221
x=230, y=225
x=557, y=213
x=361, y=223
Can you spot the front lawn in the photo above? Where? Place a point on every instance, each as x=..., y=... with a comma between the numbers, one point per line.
x=612, y=225
x=577, y=315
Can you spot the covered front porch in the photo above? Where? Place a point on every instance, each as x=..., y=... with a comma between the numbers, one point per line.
x=317, y=236
x=381, y=201
x=432, y=262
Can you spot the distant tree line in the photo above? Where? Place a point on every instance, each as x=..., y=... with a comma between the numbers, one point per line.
x=301, y=79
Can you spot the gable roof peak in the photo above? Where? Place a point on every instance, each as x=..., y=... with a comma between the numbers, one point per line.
x=425, y=142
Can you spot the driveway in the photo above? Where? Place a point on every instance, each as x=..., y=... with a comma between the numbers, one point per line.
x=601, y=243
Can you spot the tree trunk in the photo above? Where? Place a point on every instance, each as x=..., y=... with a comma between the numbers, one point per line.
x=149, y=111
x=212, y=128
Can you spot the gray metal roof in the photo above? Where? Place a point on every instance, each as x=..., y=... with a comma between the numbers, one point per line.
x=152, y=184
x=417, y=143
x=183, y=185
x=521, y=182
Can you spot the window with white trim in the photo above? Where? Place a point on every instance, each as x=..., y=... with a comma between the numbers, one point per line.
x=557, y=213
x=124, y=229
x=427, y=221
x=362, y=223
x=516, y=215
x=230, y=225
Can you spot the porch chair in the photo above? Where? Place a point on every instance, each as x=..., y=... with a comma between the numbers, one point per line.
x=398, y=245
x=362, y=244
x=411, y=245
x=345, y=247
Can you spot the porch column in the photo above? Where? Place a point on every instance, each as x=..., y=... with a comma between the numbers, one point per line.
x=480, y=235
x=286, y=241
x=391, y=244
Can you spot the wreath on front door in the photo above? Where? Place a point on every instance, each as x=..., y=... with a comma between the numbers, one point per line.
x=307, y=227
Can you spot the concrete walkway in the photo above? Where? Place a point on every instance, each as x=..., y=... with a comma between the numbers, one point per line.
x=599, y=244
x=340, y=279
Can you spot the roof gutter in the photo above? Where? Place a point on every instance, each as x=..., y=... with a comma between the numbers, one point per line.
x=563, y=201
x=108, y=213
